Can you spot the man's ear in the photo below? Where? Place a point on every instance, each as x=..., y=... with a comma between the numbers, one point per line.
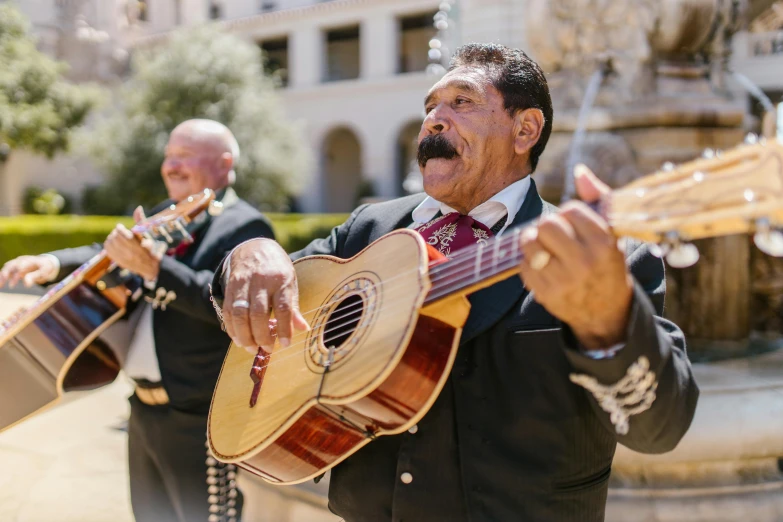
x=227, y=161
x=528, y=126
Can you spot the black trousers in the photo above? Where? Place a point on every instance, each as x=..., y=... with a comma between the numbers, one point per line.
x=167, y=461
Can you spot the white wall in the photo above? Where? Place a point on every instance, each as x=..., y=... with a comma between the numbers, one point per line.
x=765, y=71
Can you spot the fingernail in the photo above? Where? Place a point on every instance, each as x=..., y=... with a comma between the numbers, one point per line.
x=251, y=350
x=530, y=234
x=285, y=342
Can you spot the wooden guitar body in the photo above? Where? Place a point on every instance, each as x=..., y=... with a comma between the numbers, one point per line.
x=56, y=349
x=55, y=346
x=385, y=371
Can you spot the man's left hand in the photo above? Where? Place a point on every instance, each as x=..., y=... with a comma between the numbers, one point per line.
x=573, y=265
x=128, y=252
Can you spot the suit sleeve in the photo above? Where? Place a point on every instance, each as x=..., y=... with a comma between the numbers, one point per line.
x=72, y=258
x=331, y=245
x=645, y=393
x=191, y=287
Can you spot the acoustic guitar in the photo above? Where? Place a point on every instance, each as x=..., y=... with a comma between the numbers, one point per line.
x=386, y=323
x=54, y=347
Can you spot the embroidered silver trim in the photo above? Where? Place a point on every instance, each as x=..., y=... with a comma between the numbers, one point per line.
x=170, y=296
x=631, y=395
x=160, y=295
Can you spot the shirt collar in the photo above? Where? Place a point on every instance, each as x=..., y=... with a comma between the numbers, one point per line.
x=507, y=202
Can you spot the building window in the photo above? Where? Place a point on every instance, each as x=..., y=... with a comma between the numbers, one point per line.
x=268, y=5
x=276, y=59
x=143, y=10
x=215, y=10
x=342, y=54
x=416, y=31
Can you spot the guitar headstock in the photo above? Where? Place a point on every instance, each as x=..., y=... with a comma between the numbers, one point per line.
x=171, y=225
x=731, y=192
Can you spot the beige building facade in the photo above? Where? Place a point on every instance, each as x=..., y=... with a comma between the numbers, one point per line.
x=352, y=71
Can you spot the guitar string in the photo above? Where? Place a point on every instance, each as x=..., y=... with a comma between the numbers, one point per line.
x=451, y=265
x=458, y=270
x=352, y=310
x=345, y=323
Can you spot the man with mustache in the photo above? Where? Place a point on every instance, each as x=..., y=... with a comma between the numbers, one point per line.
x=554, y=368
x=178, y=347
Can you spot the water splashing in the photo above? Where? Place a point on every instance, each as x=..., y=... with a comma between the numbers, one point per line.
x=754, y=91
x=593, y=86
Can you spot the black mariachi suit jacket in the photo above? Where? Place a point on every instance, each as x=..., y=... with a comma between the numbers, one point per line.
x=189, y=342
x=511, y=437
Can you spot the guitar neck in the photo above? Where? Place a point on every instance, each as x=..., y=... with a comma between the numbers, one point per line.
x=484, y=264
x=476, y=267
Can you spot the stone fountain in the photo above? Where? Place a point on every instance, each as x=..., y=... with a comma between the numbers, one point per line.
x=665, y=96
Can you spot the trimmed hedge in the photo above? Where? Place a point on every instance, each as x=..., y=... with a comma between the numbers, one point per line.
x=37, y=234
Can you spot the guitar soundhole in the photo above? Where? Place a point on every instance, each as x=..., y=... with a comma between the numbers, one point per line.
x=343, y=321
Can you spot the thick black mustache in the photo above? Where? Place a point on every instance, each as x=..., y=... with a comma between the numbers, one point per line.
x=435, y=146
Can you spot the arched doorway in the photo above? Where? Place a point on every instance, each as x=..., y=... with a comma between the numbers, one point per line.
x=342, y=169
x=408, y=176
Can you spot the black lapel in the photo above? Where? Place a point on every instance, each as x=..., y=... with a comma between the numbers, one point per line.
x=492, y=303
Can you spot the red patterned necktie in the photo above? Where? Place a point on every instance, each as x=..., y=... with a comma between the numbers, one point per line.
x=453, y=231
x=181, y=249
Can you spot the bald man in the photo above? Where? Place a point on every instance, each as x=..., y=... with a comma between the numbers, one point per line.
x=178, y=347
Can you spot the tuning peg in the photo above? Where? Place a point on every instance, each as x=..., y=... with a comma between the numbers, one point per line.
x=165, y=233
x=683, y=255
x=767, y=239
x=668, y=166
x=181, y=228
x=659, y=250
x=751, y=138
x=215, y=208
x=677, y=253
x=708, y=153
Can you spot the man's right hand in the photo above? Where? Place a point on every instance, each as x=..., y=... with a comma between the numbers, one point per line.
x=28, y=269
x=261, y=273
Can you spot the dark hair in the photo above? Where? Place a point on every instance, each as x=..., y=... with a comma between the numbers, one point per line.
x=519, y=80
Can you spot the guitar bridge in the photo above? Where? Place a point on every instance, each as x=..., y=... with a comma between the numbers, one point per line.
x=260, y=362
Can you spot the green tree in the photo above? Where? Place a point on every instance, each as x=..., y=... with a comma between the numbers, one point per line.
x=198, y=73
x=38, y=109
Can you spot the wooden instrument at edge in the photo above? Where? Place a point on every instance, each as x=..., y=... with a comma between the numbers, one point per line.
x=386, y=323
x=53, y=347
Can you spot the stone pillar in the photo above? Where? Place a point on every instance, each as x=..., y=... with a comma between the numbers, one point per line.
x=378, y=161
x=379, y=40
x=306, y=62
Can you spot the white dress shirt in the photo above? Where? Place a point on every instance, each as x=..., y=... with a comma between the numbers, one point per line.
x=507, y=202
